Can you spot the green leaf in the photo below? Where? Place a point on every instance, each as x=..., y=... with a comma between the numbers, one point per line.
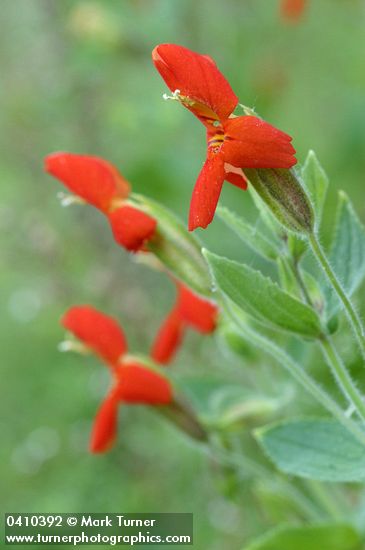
x=314, y=448
x=261, y=298
x=347, y=252
x=296, y=246
x=229, y=338
x=286, y=277
x=249, y=234
x=177, y=249
x=309, y=537
x=267, y=219
x=316, y=181
x=220, y=405
x=314, y=290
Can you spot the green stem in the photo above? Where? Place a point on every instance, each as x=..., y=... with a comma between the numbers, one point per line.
x=300, y=375
x=298, y=277
x=342, y=376
x=334, y=361
x=322, y=496
x=350, y=311
x=279, y=484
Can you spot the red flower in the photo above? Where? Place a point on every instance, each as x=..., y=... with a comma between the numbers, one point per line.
x=233, y=142
x=99, y=332
x=133, y=382
x=189, y=310
x=131, y=227
x=292, y=10
x=100, y=184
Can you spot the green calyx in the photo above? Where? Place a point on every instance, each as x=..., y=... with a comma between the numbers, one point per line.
x=284, y=194
x=178, y=250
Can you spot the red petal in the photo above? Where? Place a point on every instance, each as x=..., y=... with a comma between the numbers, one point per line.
x=139, y=384
x=168, y=339
x=292, y=9
x=196, y=76
x=196, y=311
x=131, y=227
x=93, y=179
x=253, y=143
x=206, y=192
x=96, y=330
x=235, y=176
x=104, y=430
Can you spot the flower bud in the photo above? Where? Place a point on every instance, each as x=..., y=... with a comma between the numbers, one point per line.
x=286, y=197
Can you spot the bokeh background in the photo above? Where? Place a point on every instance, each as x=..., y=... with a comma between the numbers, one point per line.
x=77, y=76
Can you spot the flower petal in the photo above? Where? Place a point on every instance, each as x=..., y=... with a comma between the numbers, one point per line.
x=196, y=311
x=104, y=430
x=97, y=331
x=292, y=10
x=93, y=179
x=139, y=384
x=253, y=143
x=206, y=192
x=168, y=339
x=197, y=77
x=235, y=176
x=131, y=227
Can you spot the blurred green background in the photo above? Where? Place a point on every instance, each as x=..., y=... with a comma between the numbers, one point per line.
x=77, y=76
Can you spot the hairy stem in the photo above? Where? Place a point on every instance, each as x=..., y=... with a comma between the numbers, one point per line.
x=342, y=376
x=319, y=490
x=332, y=278
x=278, y=483
x=285, y=360
x=298, y=277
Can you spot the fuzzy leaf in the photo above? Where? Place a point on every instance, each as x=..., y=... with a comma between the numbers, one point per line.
x=315, y=537
x=296, y=246
x=223, y=405
x=249, y=234
x=347, y=253
x=314, y=448
x=286, y=277
x=261, y=298
x=316, y=181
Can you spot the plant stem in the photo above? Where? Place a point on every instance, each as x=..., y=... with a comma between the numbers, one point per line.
x=350, y=311
x=279, y=484
x=298, y=277
x=342, y=376
x=299, y=374
x=322, y=496
x=334, y=361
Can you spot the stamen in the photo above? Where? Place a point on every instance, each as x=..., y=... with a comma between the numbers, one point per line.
x=175, y=96
x=73, y=345
x=249, y=111
x=67, y=199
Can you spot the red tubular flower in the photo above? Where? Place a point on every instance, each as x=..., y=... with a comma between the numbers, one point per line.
x=138, y=384
x=99, y=332
x=169, y=337
x=292, y=10
x=133, y=382
x=100, y=184
x=196, y=312
x=189, y=310
x=104, y=430
x=93, y=179
x=131, y=227
x=233, y=142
